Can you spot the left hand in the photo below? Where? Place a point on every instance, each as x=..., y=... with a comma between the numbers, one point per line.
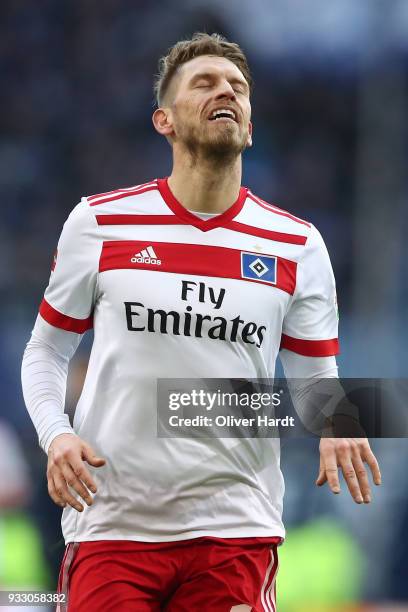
x=349, y=454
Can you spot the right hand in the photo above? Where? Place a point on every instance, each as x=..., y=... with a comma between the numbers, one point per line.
x=66, y=468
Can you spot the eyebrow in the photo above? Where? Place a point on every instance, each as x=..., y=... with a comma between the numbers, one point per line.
x=211, y=76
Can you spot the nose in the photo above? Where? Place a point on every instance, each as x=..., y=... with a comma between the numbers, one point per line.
x=225, y=90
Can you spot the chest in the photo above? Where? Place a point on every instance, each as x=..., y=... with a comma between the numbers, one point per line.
x=195, y=284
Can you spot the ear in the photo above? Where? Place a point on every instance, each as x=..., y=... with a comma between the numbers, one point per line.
x=162, y=121
x=249, y=140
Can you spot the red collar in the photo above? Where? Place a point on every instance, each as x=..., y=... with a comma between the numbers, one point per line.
x=190, y=219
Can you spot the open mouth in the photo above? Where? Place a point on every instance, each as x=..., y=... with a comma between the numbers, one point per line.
x=223, y=114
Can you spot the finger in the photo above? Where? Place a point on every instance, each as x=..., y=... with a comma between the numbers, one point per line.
x=63, y=492
x=322, y=478
x=90, y=457
x=350, y=477
x=80, y=470
x=362, y=477
x=330, y=467
x=369, y=457
x=53, y=494
x=74, y=482
x=332, y=476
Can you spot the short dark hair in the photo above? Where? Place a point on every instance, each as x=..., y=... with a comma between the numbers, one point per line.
x=199, y=44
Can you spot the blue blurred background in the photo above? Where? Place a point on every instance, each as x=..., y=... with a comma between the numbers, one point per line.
x=330, y=145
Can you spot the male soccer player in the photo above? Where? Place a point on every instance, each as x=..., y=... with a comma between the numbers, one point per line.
x=189, y=276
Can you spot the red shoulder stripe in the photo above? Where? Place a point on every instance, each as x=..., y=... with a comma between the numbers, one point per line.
x=119, y=196
x=58, y=319
x=121, y=190
x=236, y=226
x=274, y=209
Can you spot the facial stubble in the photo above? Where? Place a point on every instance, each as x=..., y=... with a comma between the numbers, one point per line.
x=218, y=144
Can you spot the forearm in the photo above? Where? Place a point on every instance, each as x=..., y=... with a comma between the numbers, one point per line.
x=306, y=377
x=44, y=379
x=319, y=397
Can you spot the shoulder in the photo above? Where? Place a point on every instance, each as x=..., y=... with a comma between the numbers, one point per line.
x=274, y=222
x=79, y=218
x=121, y=193
x=275, y=212
x=83, y=218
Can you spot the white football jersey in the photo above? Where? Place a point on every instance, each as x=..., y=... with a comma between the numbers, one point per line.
x=173, y=295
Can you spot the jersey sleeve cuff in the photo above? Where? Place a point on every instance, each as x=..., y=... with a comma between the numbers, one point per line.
x=311, y=348
x=58, y=319
x=60, y=429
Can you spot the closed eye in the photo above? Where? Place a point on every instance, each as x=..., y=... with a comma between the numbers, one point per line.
x=202, y=82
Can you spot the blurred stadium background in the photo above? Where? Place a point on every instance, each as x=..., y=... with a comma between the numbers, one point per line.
x=330, y=119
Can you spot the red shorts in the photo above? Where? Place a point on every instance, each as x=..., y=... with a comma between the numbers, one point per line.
x=204, y=574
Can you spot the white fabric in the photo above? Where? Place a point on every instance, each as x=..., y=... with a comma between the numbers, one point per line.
x=310, y=316
x=163, y=489
x=44, y=378
x=204, y=215
x=303, y=375
x=75, y=289
x=308, y=368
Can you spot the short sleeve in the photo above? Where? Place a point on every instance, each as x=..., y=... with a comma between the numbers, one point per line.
x=70, y=296
x=310, y=326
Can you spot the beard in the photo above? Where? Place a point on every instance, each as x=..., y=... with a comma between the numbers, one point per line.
x=217, y=144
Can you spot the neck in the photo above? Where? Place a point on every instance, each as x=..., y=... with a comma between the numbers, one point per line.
x=204, y=185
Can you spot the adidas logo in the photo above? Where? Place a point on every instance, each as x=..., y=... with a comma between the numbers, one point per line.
x=146, y=256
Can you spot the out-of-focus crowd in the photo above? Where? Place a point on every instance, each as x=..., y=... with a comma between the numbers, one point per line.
x=329, y=145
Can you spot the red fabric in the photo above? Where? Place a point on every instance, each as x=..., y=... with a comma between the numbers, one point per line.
x=58, y=319
x=275, y=209
x=192, y=575
x=98, y=196
x=237, y=226
x=311, y=348
x=122, y=194
x=196, y=259
x=139, y=220
x=192, y=219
